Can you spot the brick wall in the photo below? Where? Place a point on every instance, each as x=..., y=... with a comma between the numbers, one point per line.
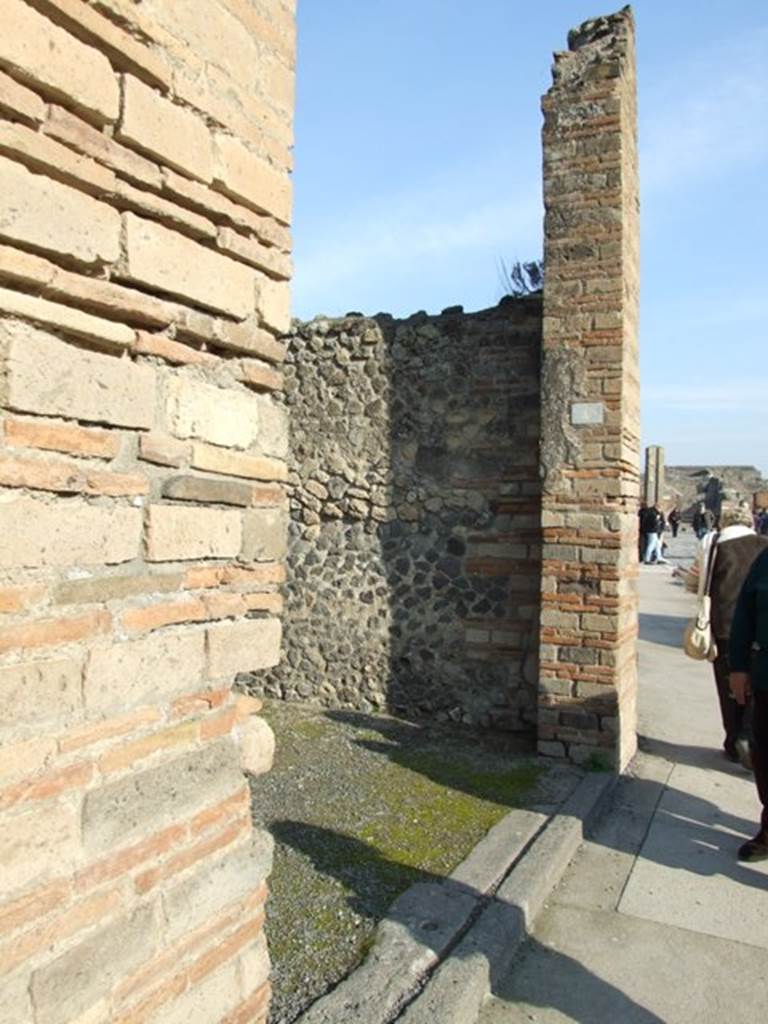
x=144, y=264
x=414, y=558
x=590, y=398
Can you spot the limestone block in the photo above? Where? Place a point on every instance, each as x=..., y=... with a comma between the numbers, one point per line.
x=66, y=319
x=273, y=427
x=172, y=263
x=46, y=376
x=264, y=257
x=35, y=49
x=221, y=43
x=36, y=273
x=15, y=1007
x=155, y=668
x=20, y=101
x=219, y=207
x=39, y=690
x=164, y=451
x=255, y=964
x=265, y=534
x=121, y=47
x=175, y=352
x=278, y=31
x=260, y=376
x=164, y=130
x=75, y=980
x=38, y=151
x=48, y=215
x=257, y=745
x=157, y=208
x=97, y=589
x=249, y=337
x=274, y=304
x=37, y=842
x=201, y=896
x=212, y=999
x=226, y=417
x=132, y=808
x=219, y=460
x=176, y=534
x=243, y=646
x=240, y=173
x=34, y=534
x=83, y=137
x=281, y=85
x=206, y=491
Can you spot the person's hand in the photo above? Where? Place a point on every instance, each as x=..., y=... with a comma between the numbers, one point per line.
x=740, y=686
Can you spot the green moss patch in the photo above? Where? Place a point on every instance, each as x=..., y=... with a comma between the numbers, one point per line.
x=361, y=808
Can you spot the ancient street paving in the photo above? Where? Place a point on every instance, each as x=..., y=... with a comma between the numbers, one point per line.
x=655, y=920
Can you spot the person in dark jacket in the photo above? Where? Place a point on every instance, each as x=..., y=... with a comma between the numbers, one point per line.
x=674, y=521
x=652, y=524
x=642, y=536
x=748, y=654
x=703, y=521
x=699, y=523
x=735, y=549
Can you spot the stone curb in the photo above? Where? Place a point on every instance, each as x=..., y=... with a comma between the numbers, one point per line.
x=442, y=944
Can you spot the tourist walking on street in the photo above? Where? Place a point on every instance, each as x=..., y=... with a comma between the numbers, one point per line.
x=733, y=550
x=652, y=525
x=642, y=533
x=748, y=653
x=674, y=521
x=703, y=521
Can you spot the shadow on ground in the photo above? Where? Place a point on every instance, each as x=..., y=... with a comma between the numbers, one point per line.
x=474, y=763
x=662, y=629
x=706, y=837
x=579, y=994
x=362, y=807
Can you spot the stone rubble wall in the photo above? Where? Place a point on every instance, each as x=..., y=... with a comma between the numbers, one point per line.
x=144, y=263
x=590, y=399
x=414, y=553
x=687, y=486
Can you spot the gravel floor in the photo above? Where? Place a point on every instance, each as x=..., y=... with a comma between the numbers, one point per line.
x=361, y=807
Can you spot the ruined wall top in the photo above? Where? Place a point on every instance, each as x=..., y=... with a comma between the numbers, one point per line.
x=603, y=42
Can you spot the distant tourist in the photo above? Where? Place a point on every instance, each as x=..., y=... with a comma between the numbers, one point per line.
x=734, y=549
x=674, y=521
x=703, y=521
x=748, y=654
x=642, y=533
x=652, y=525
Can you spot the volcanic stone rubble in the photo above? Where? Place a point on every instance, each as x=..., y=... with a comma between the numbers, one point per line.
x=413, y=559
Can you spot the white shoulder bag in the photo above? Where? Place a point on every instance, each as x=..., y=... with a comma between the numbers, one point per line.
x=698, y=642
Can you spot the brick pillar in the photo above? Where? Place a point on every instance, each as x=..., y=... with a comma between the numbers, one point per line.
x=653, y=481
x=590, y=404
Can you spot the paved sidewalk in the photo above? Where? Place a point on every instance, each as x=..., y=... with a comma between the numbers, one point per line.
x=655, y=920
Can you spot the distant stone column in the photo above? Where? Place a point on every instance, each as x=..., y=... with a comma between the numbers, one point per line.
x=590, y=416
x=653, y=484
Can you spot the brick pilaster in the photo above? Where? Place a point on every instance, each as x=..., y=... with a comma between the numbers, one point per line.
x=590, y=399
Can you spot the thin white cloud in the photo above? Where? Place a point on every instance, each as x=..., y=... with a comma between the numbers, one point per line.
x=431, y=226
x=708, y=115
x=742, y=396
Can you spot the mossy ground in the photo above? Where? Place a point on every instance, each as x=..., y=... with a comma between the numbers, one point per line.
x=362, y=807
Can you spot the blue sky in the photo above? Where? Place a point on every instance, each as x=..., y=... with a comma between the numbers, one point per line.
x=418, y=170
